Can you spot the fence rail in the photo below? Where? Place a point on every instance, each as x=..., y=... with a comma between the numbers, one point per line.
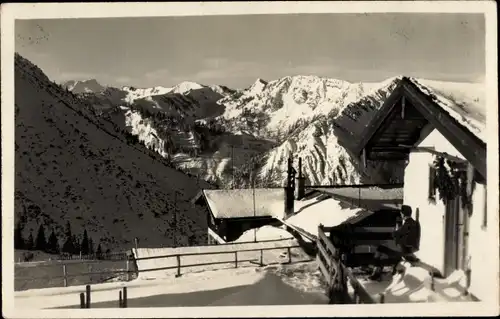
x=330, y=262
x=129, y=270
x=222, y=252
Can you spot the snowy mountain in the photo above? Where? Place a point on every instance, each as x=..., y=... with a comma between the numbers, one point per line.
x=74, y=165
x=226, y=135
x=310, y=117
x=87, y=86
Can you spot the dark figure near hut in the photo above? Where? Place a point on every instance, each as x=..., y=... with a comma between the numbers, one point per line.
x=407, y=239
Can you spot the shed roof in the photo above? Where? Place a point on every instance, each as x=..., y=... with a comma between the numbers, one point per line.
x=458, y=115
x=373, y=197
x=239, y=203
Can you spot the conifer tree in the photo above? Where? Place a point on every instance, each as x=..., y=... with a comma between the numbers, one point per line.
x=41, y=243
x=68, y=246
x=84, y=246
x=30, y=244
x=67, y=231
x=91, y=246
x=99, y=251
x=76, y=245
x=18, y=236
x=53, y=244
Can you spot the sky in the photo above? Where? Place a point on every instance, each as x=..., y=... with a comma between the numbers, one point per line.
x=236, y=50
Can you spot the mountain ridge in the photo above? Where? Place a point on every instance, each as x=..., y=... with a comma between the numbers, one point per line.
x=317, y=118
x=93, y=176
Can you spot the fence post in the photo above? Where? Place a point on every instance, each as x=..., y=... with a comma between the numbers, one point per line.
x=87, y=302
x=289, y=250
x=124, y=297
x=120, y=302
x=178, y=266
x=128, y=269
x=261, y=258
x=65, y=276
x=82, y=300
x=381, y=298
x=236, y=259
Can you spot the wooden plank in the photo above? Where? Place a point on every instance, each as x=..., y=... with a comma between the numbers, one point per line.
x=373, y=229
x=327, y=244
x=326, y=256
x=379, y=118
x=214, y=252
x=463, y=140
x=324, y=271
x=360, y=290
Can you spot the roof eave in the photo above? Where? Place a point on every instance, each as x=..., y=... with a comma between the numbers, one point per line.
x=473, y=149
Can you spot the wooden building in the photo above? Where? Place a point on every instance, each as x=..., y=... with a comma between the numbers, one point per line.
x=231, y=212
x=443, y=143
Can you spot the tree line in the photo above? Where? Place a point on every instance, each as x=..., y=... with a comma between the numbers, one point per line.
x=51, y=245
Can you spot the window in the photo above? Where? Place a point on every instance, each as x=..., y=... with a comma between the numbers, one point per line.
x=432, y=188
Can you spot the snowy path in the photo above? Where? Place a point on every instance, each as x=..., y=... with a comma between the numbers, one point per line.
x=209, y=281
x=288, y=284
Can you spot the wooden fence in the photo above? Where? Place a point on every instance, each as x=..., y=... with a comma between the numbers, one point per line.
x=237, y=261
x=129, y=269
x=330, y=261
x=56, y=273
x=122, y=298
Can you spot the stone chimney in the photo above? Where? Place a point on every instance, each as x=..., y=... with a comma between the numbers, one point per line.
x=290, y=189
x=300, y=182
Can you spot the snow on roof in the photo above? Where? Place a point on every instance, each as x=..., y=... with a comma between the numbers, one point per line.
x=264, y=233
x=465, y=102
x=238, y=203
x=374, y=197
x=326, y=211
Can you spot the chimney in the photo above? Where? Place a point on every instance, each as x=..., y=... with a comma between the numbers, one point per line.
x=300, y=182
x=290, y=189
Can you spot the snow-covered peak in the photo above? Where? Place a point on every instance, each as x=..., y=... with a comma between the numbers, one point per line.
x=186, y=86
x=222, y=90
x=140, y=93
x=86, y=86
x=258, y=86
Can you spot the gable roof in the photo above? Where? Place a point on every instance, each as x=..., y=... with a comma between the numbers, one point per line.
x=239, y=203
x=395, y=126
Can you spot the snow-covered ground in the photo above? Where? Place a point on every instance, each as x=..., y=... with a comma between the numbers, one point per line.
x=284, y=284
x=414, y=285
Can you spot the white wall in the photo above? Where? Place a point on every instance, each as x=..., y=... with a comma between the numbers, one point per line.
x=432, y=215
x=478, y=239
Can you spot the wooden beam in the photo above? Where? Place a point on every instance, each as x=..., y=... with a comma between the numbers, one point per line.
x=462, y=139
x=432, y=150
x=363, y=158
x=403, y=107
x=379, y=118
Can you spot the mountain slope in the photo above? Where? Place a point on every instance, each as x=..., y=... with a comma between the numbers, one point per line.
x=69, y=168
